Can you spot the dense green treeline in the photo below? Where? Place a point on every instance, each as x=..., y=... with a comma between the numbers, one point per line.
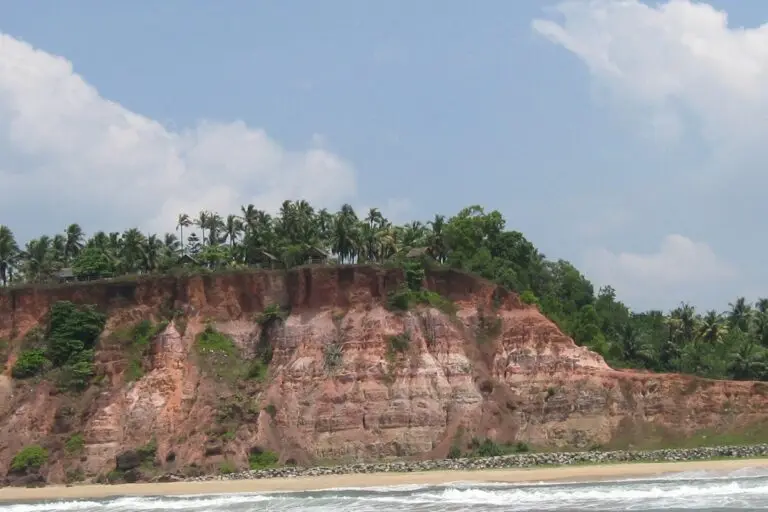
x=731, y=344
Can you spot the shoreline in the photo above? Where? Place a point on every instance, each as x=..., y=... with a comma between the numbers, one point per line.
x=368, y=480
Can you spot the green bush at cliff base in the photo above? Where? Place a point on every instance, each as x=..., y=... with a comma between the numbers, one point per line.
x=262, y=459
x=489, y=448
x=30, y=458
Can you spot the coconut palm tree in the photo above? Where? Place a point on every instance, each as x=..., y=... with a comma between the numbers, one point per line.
x=171, y=244
x=712, y=328
x=202, y=221
x=39, y=258
x=182, y=221
x=232, y=229
x=436, y=238
x=73, y=242
x=345, y=237
x=132, y=254
x=9, y=253
x=740, y=314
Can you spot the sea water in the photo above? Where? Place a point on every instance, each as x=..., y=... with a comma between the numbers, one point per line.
x=745, y=489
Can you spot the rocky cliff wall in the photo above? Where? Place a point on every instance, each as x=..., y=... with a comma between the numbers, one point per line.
x=489, y=367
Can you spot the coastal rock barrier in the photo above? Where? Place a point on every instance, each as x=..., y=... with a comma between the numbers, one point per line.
x=522, y=460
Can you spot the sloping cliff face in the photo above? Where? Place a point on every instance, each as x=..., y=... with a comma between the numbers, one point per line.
x=493, y=368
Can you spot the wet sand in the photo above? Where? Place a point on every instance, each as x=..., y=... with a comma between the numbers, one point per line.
x=565, y=473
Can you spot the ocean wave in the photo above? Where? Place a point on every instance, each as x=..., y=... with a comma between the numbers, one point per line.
x=743, y=489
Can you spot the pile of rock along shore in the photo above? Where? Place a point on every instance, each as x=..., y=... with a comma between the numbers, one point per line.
x=525, y=460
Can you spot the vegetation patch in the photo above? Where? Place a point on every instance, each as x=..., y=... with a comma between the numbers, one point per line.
x=73, y=330
x=30, y=363
x=455, y=451
x=66, y=347
x=227, y=467
x=404, y=299
x=136, y=342
x=397, y=344
x=74, y=475
x=213, y=342
x=332, y=357
x=31, y=458
x=235, y=411
x=412, y=293
x=271, y=315
x=4, y=347
x=262, y=459
x=271, y=410
x=34, y=338
x=527, y=297
x=489, y=448
x=75, y=444
x=269, y=319
x=221, y=356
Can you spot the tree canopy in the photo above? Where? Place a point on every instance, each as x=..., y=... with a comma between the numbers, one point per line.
x=731, y=344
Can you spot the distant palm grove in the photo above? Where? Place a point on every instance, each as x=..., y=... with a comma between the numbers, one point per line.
x=733, y=344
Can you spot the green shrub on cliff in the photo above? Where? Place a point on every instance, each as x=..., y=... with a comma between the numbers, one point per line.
x=219, y=355
x=30, y=458
x=75, y=444
x=72, y=330
x=211, y=341
x=76, y=375
x=404, y=299
x=137, y=342
x=272, y=313
x=29, y=364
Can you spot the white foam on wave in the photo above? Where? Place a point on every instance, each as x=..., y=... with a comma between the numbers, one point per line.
x=53, y=506
x=680, y=490
x=137, y=503
x=597, y=498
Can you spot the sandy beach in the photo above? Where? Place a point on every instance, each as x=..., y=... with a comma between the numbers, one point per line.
x=575, y=473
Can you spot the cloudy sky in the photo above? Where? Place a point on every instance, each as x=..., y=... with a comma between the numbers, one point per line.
x=624, y=136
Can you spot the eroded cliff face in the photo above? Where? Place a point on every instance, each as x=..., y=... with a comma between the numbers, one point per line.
x=493, y=368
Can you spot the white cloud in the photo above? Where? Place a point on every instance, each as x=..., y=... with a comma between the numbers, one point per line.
x=677, y=71
x=69, y=155
x=679, y=264
x=679, y=60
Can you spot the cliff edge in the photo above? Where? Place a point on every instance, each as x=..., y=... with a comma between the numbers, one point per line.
x=314, y=365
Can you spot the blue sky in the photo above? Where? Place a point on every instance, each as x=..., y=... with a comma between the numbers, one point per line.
x=595, y=130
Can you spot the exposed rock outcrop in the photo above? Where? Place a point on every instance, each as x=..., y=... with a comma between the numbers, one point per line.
x=493, y=368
